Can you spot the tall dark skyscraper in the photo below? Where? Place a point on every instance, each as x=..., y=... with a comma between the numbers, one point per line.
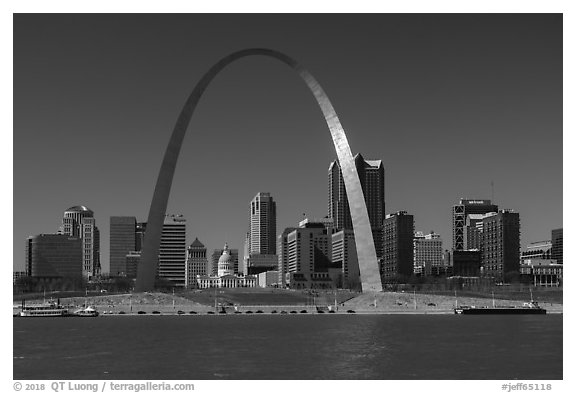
x=398, y=246
x=172, y=253
x=501, y=244
x=465, y=215
x=558, y=245
x=79, y=221
x=371, y=174
x=122, y=241
x=263, y=224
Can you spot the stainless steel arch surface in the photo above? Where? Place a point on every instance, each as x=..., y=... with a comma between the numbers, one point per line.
x=368, y=264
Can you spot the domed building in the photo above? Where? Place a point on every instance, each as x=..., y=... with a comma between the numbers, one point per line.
x=225, y=263
x=226, y=277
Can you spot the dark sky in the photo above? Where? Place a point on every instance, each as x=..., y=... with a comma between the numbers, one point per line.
x=448, y=102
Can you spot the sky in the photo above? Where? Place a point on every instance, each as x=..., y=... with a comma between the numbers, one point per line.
x=449, y=102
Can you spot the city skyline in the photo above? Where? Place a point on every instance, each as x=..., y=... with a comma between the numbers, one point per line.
x=112, y=103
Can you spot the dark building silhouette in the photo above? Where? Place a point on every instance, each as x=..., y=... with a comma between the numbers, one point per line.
x=557, y=245
x=371, y=174
x=122, y=242
x=465, y=235
x=172, y=253
x=398, y=247
x=501, y=240
x=466, y=263
x=54, y=256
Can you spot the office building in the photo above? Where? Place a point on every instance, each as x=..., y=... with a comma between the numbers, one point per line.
x=501, y=238
x=282, y=249
x=397, y=261
x=557, y=245
x=309, y=248
x=371, y=174
x=262, y=224
x=344, y=255
x=463, y=226
x=196, y=263
x=172, y=253
x=54, y=256
x=427, y=254
x=79, y=222
x=122, y=242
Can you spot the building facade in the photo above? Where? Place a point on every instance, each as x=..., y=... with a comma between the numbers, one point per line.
x=344, y=254
x=371, y=175
x=79, y=222
x=282, y=249
x=172, y=253
x=557, y=245
x=543, y=272
x=196, y=263
x=461, y=224
x=309, y=248
x=54, y=256
x=501, y=238
x=538, y=250
x=262, y=224
x=398, y=247
x=428, y=252
x=122, y=242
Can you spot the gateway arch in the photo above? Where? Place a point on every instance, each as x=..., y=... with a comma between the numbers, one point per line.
x=367, y=261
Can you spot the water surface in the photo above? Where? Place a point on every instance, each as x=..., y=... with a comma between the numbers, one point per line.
x=290, y=347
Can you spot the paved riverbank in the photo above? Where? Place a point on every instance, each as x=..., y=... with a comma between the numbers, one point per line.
x=379, y=303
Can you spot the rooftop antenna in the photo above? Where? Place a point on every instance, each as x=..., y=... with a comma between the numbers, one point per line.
x=492, y=186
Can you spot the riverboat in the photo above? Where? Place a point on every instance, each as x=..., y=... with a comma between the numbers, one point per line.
x=50, y=309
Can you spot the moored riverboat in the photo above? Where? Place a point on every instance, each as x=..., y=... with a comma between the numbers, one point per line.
x=50, y=309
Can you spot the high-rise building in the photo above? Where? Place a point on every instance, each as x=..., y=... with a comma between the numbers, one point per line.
x=463, y=226
x=262, y=224
x=371, y=174
x=122, y=242
x=196, y=263
x=282, y=249
x=79, y=222
x=398, y=247
x=557, y=245
x=501, y=250
x=428, y=253
x=344, y=254
x=53, y=256
x=309, y=248
x=172, y=253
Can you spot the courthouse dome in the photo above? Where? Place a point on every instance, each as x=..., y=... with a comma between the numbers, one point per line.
x=225, y=263
x=78, y=209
